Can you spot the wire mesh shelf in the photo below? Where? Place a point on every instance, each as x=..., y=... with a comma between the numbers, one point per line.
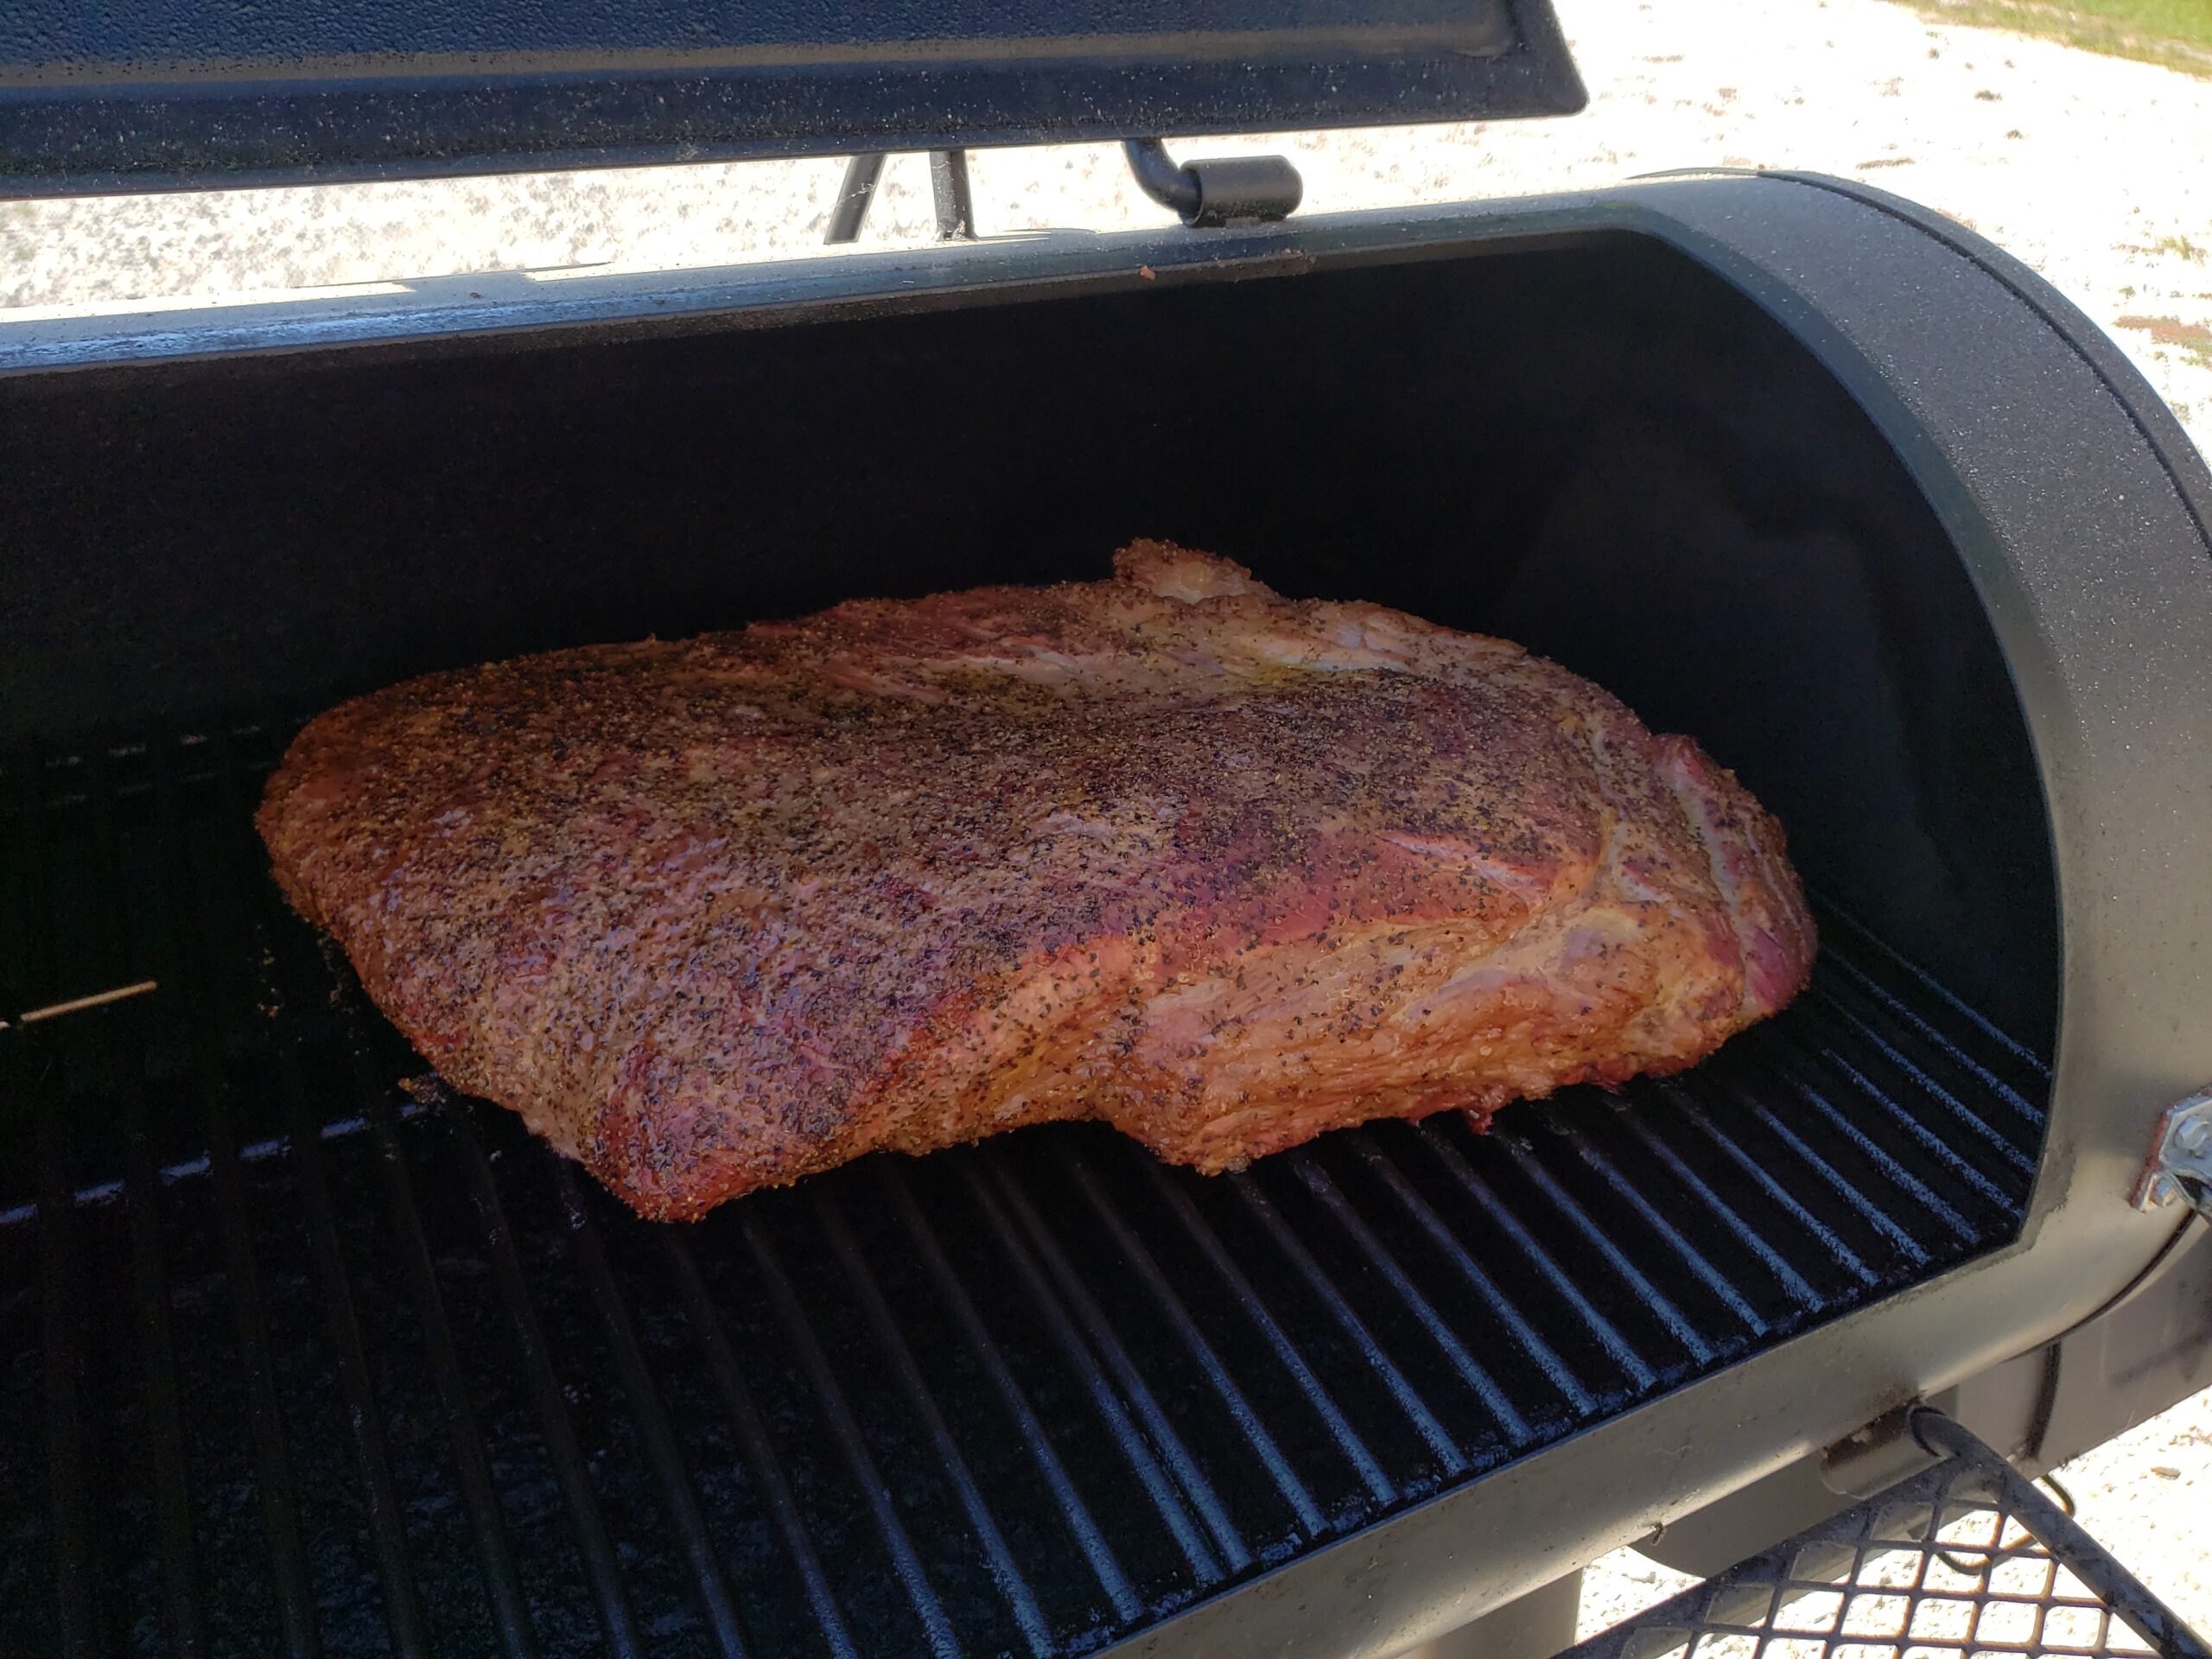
x=1963, y=1561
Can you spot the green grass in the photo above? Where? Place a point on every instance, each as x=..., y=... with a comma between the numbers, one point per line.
x=2194, y=338
x=2175, y=33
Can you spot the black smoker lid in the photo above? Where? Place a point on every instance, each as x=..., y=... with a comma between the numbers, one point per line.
x=98, y=96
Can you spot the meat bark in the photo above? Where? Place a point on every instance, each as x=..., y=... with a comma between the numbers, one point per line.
x=1223, y=869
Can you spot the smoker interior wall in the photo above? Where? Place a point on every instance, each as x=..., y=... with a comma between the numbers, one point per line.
x=1596, y=447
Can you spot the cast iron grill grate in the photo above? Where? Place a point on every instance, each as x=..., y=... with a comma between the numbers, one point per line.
x=1961, y=1558
x=296, y=1355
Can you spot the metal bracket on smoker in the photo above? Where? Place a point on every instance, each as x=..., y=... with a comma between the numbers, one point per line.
x=949, y=189
x=1205, y=193
x=2181, y=1158
x=1219, y=191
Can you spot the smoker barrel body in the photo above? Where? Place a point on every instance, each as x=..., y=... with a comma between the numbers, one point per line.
x=1803, y=471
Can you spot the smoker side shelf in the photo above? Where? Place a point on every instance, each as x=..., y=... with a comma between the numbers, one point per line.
x=1965, y=1558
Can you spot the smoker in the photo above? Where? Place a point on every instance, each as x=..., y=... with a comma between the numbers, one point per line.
x=299, y=1354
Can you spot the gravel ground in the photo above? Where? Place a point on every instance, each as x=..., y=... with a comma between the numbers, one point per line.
x=2093, y=169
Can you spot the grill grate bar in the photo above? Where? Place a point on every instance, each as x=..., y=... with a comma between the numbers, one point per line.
x=1133, y=1447
x=558, y=1433
x=1830, y=1053
x=182, y=943
x=1892, y=1168
x=1827, y=1010
x=157, y=1376
x=1194, y=1342
x=753, y=1436
x=1873, y=1214
x=1829, y=1240
x=403, y=1606
x=1494, y=1398
x=65, y=1433
x=1255, y=1310
x=1608, y=1334
x=662, y=1450
x=148, y=1272
x=30, y=1054
x=364, y=1420
x=1557, y=1370
x=279, y=1502
x=1682, y=1328
x=1432, y=1432
x=905, y=1560
x=495, y=1548
x=1793, y=1282
x=1089, y=1539
x=1623, y=1189
x=1854, y=971
x=1004, y=1571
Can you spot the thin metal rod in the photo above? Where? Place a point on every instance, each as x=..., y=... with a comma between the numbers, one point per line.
x=1239, y=1409
x=848, y=212
x=1072, y=1307
x=1425, y=1421
x=906, y=1559
x=124, y=1040
x=765, y=1467
x=1089, y=1538
x=1005, y=1571
x=655, y=1431
x=1160, y=177
x=955, y=201
x=2062, y=1536
x=1503, y=1411
x=80, y=1004
x=494, y=1549
x=571, y=1472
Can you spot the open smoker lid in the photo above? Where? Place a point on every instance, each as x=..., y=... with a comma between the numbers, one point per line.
x=96, y=96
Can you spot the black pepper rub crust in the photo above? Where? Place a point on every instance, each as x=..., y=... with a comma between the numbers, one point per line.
x=1224, y=869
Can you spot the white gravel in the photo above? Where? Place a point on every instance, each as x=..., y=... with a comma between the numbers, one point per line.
x=2095, y=170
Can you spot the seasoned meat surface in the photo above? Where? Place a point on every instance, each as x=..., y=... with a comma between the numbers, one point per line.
x=1223, y=869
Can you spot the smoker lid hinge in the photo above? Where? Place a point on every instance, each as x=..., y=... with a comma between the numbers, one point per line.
x=950, y=192
x=1223, y=192
x=2181, y=1158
